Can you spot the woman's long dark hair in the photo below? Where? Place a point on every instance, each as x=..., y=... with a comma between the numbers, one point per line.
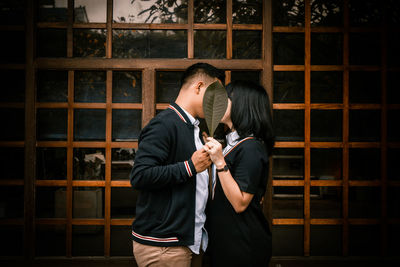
x=251, y=111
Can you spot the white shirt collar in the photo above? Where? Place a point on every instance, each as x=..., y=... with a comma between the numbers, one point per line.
x=192, y=119
x=232, y=138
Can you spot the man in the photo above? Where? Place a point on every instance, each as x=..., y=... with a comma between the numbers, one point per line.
x=170, y=173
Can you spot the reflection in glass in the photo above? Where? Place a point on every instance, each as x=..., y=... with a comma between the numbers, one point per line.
x=13, y=86
x=364, y=48
x=150, y=11
x=52, y=124
x=51, y=43
x=247, y=12
x=393, y=85
x=288, y=48
x=89, y=43
x=247, y=44
x=123, y=202
x=326, y=48
x=326, y=125
x=90, y=86
x=326, y=202
x=11, y=202
x=364, y=202
x=393, y=202
x=87, y=240
x=13, y=47
x=364, y=87
x=209, y=11
x=12, y=12
x=12, y=163
x=393, y=44
x=288, y=87
x=127, y=87
x=364, y=164
x=89, y=124
x=89, y=164
x=393, y=127
x=13, y=124
x=209, y=44
x=52, y=240
x=326, y=13
x=121, y=163
x=51, y=202
x=51, y=163
x=393, y=166
x=365, y=240
x=326, y=87
x=53, y=11
x=253, y=76
x=90, y=11
x=392, y=12
x=88, y=202
x=287, y=240
x=287, y=201
x=288, y=13
x=168, y=86
x=319, y=235
x=52, y=86
x=149, y=44
x=365, y=125
x=12, y=240
x=120, y=236
x=289, y=125
x=288, y=164
x=126, y=124
x=326, y=164
x=365, y=13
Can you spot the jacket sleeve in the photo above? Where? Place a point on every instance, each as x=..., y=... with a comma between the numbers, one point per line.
x=150, y=171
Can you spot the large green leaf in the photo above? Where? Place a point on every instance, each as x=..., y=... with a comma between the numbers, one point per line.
x=215, y=102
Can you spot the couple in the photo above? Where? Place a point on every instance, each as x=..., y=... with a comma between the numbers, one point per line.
x=170, y=171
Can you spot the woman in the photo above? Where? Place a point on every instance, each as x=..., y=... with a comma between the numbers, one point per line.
x=238, y=231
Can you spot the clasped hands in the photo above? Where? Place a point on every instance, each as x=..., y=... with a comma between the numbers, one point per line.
x=210, y=153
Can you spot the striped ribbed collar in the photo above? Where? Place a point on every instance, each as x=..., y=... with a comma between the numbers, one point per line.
x=180, y=112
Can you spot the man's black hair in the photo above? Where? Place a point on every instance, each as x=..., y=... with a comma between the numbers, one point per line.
x=205, y=68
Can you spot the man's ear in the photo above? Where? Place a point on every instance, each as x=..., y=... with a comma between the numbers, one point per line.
x=198, y=87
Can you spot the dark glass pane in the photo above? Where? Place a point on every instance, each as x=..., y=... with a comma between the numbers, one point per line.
x=365, y=125
x=365, y=12
x=393, y=44
x=247, y=11
x=392, y=12
x=287, y=240
x=52, y=86
x=287, y=202
x=52, y=124
x=90, y=11
x=289, y=125
x=90, y=124
x=122, y=162
x=393, y=125
x=288, y=49
x=393, y=85
x=127, y=87
x=365, y=87
x=12, y=163
x=288, y=13
x=326, y=125
x=210, y=11
x=288, y=164
x=326, y=87
x=123, y=202
x=326, y=13
x=326, y=202
x=89, y=164
x=12, y=240
x=12, y=12
x=12, y=47
x=393, y=202
x=364, y=164
x=53, y=11
x=88, y=202
x=393, y=239
x=168, y=86
x=12, y=86
x=253, y=76
x=318, y=240
x=121, y=240
x=11, y=202
x=247, y=44
x=149, y=44
x=51, y=43
x=90, y=86
x=364, y=240
x=126, y=124
x=52, y=240
x=326, y=49
x=13, y=124
x=209, y=44
x=51, y=163
x=288, y=87
x=326, y=164
x=364, y=202
x=393, y=166
x=89, y=43
x=51, y=202
x=364, y=48
x=87, y=240
x=150, y=11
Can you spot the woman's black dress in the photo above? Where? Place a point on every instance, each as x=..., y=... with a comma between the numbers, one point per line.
x=241, y=239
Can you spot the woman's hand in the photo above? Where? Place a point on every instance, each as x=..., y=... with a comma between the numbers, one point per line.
x=214, y=149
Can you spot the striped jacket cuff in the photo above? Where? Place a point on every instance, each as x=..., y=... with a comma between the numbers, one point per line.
x=190, y=169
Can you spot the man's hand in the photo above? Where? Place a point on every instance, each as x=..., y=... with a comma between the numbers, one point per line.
x=201, y=160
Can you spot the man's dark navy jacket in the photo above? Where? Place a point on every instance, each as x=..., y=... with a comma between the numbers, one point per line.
x=164, y=174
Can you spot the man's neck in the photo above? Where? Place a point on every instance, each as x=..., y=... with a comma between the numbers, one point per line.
x=186, y=105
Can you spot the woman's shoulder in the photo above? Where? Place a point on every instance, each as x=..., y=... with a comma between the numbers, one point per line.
x=251, y=147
